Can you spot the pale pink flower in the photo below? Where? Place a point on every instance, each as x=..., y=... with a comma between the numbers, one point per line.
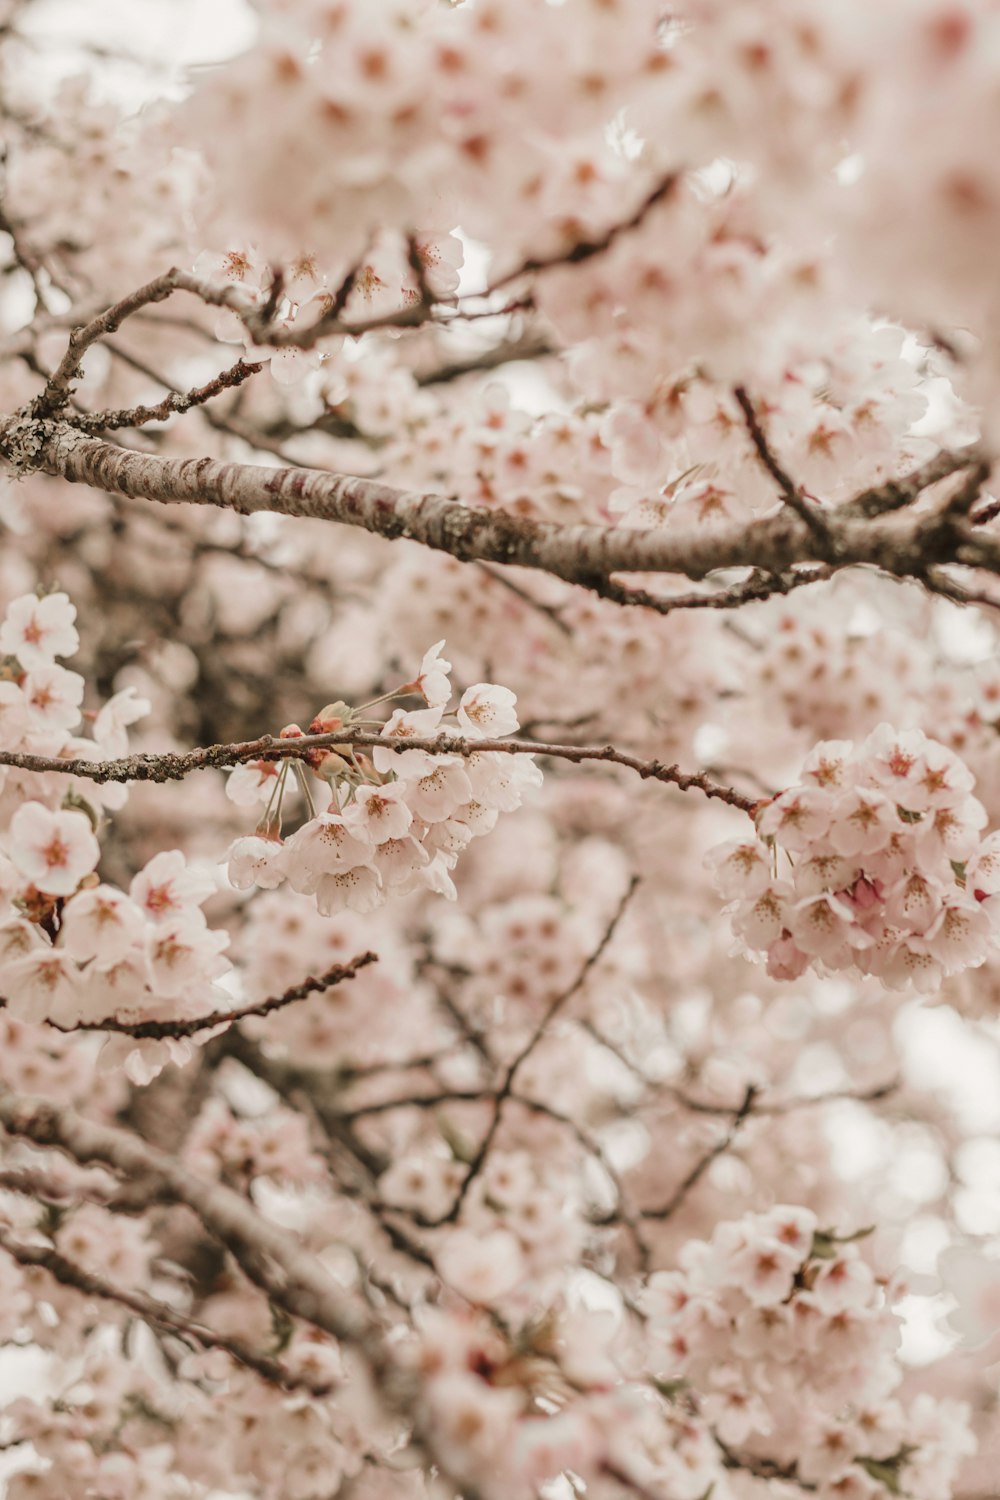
x=824, y=871
x=421, y=723
x=18, y=938
x=111, y=724
x=827, y=765
x=915, y=901
x=962, y=935
x=798, y=818
x=378, y=813
x=854, y=1483
x=734, y=1411
x=448, y=838
x=36, y=631
x=252, y=782
x=13, y=715
x=481, y=820
x=118, y=990
x=828, y=1451
x=397, y=860
x=436, y=786
x=983, y=871
x=501, y=781
x=426, y=1184
x=473, y=1424
x=764, y=1269
x=100, y=923
x=913, y=771
x=321, y=847
x=952, y=832
x=432, y=679
x=739, y=870
x=861, y=822
x=52, y=698
x=545, y=1447
x=666, y=1294
x=765, y=919
x=766, y=1333
x=791, y=1226
x=488, y=710
x=785, y=960
x=167, y=886
x=436, y=878
x=54, y=850
x=44, y=985
x=482, y=1267
x=182, y=951
x=356, y=889
x=255, y=861
x=843, y=1284
x=823, y=926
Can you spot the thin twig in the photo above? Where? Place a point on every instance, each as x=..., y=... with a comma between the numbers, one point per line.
x=702, y=1165
x=791, y=494
x=173, y=404
x=191, y=1026
x=505, y=1090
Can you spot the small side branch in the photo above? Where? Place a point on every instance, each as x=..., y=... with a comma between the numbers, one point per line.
x=173, y=404
x=191, y=1026
x=790, y=492
x=158, y=1315
x=505, y=1090
x=701, y=1166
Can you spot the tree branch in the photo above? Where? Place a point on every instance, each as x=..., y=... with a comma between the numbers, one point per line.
x=190, y=1026
x=173, y=404
x=157, y=1314
x=504, y=1092
x=174, y=767
x=269, y=1256
x=791, y=494
x=701, y=1166
x=588, y=555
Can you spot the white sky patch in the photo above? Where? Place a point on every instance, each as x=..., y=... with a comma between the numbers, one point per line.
x=940, y=1052
x=165, y=37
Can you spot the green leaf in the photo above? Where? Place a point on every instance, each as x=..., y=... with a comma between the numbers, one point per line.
x=825, y=1241
x=282, y=1327
x=670, y=1390
x=73, y=802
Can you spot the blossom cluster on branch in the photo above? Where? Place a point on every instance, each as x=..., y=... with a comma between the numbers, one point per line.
x=398, y=818
x=887, y=870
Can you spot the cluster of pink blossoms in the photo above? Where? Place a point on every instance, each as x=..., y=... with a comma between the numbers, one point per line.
x=40, y=705
x=786, y=1333
x=397, y=820
x=74, y=950
x=874, y=864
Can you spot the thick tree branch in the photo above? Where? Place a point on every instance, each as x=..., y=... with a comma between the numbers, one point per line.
x=903, y=544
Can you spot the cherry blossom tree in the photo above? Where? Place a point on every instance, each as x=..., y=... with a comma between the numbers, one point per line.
x=500, y=802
